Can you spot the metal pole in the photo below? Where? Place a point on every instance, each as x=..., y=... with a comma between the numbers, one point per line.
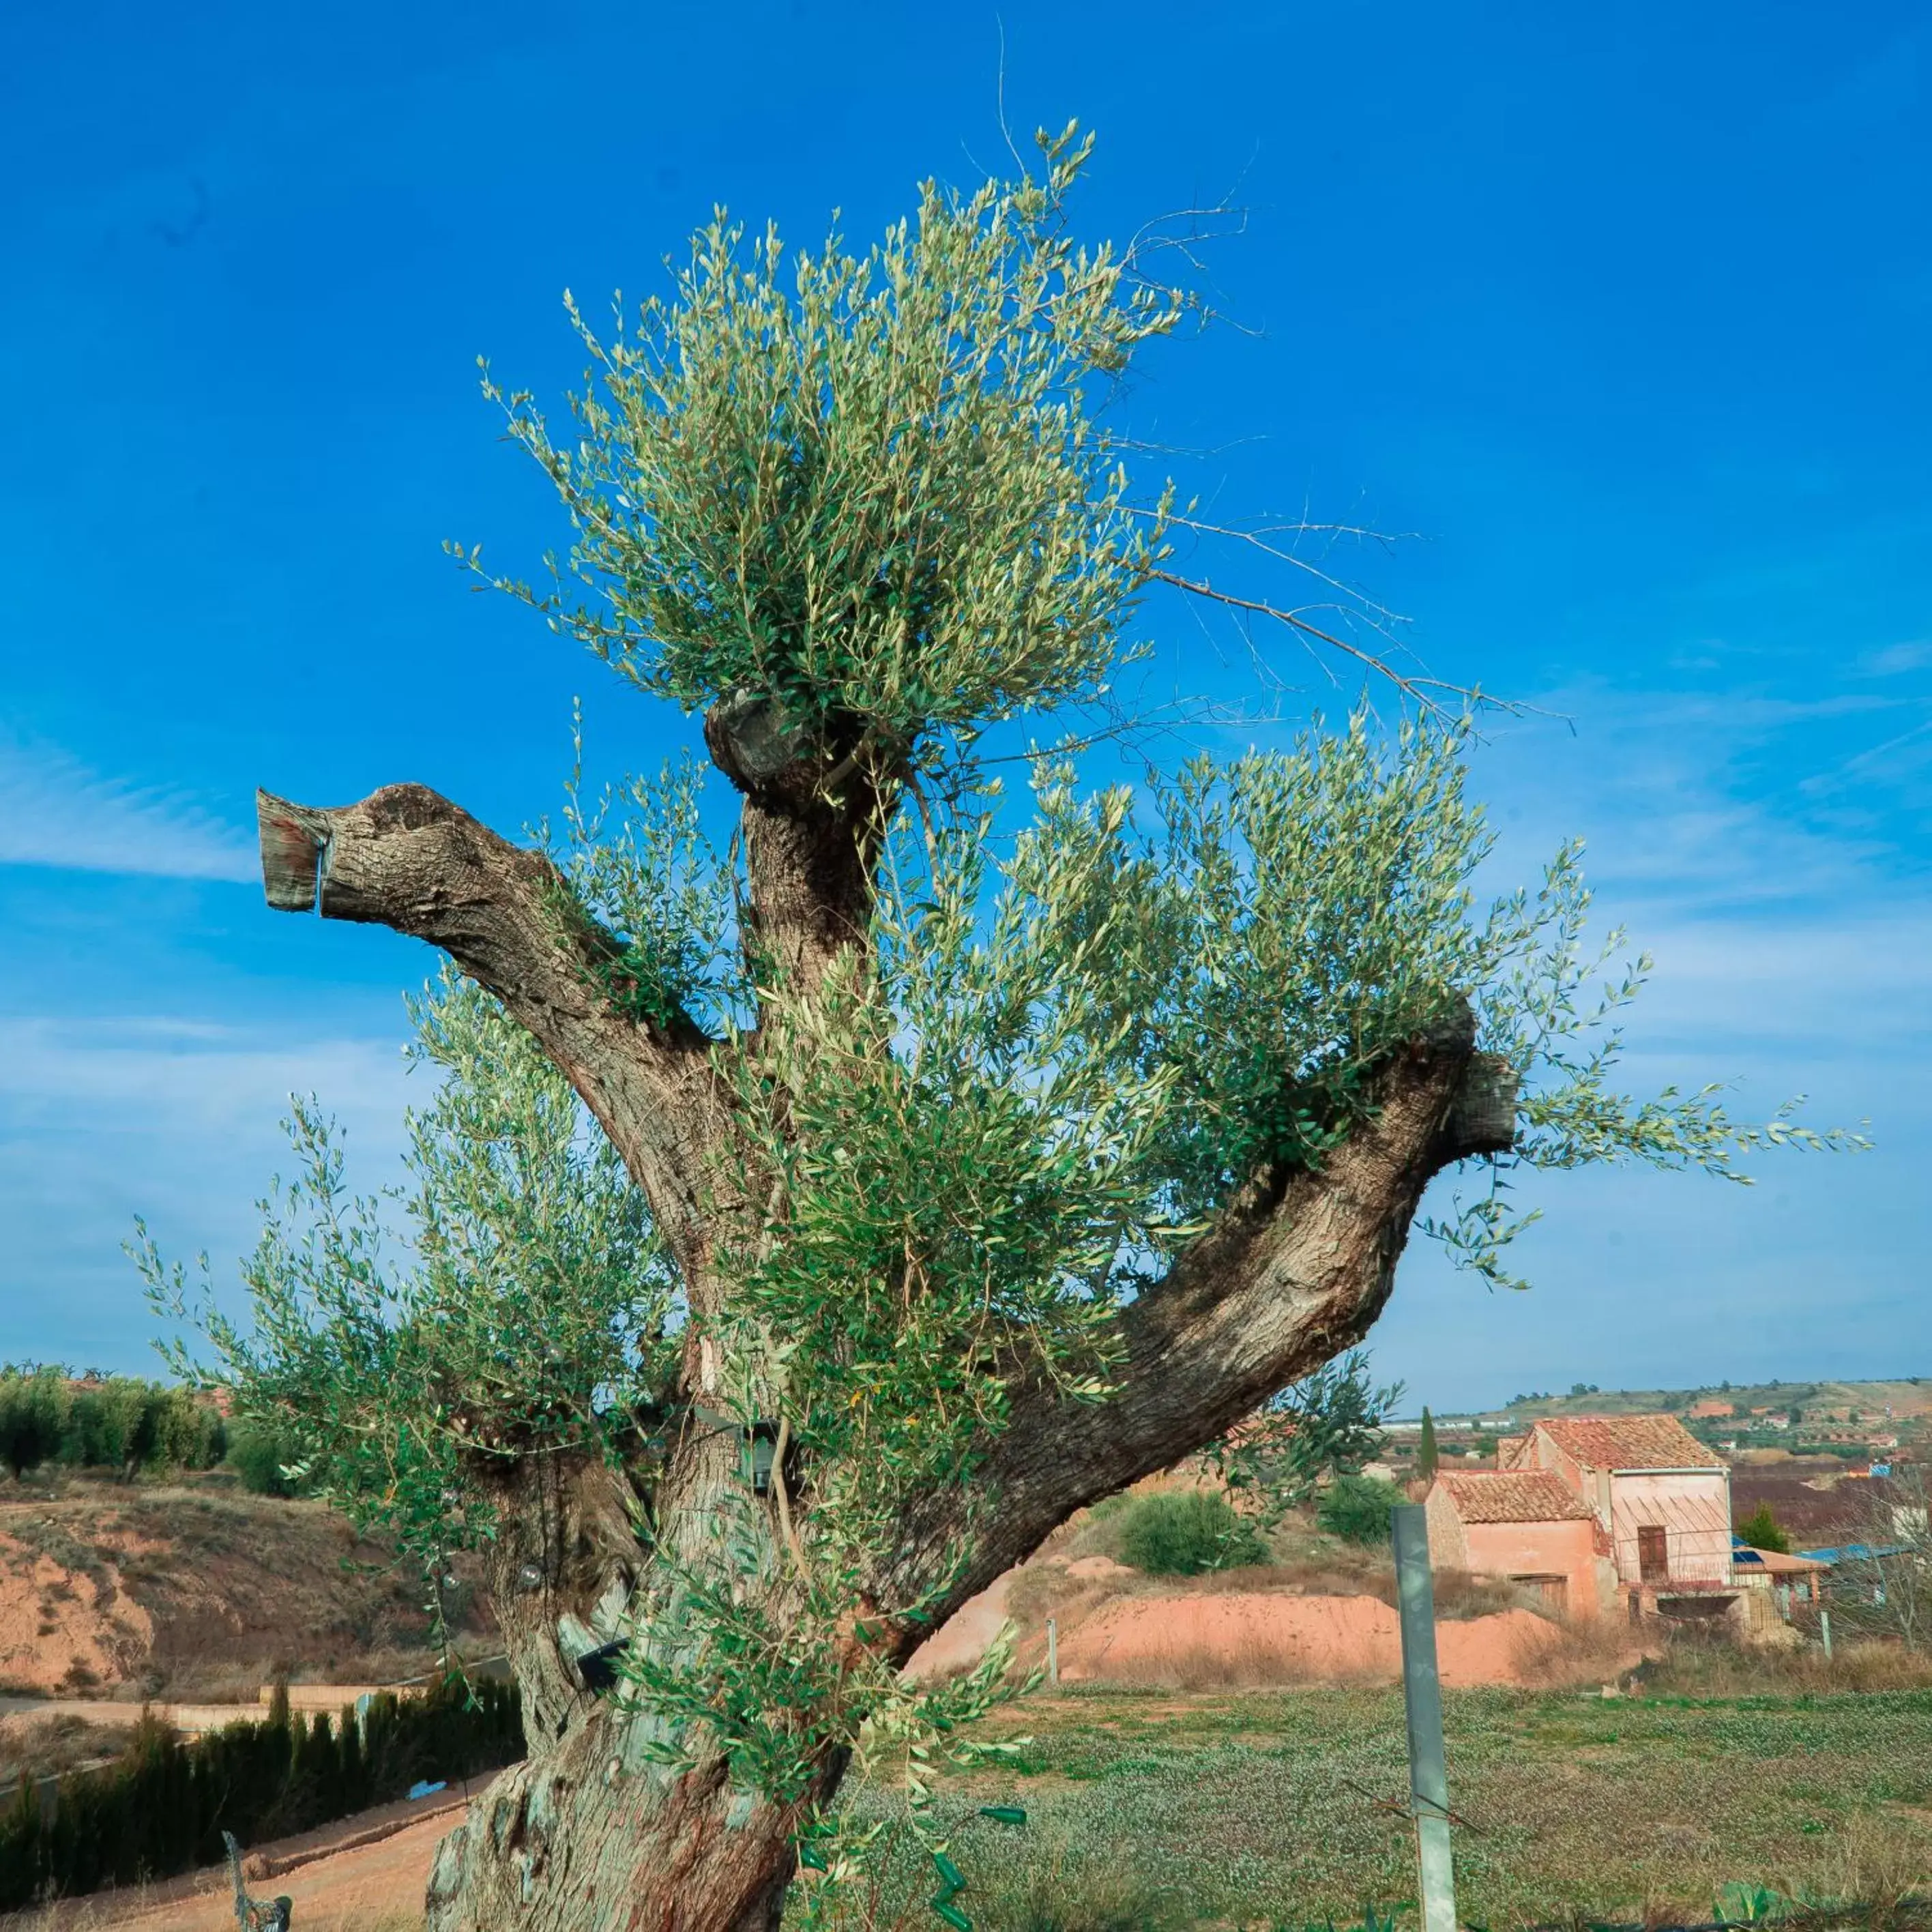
x=1422, y=1698
x=1825, y=1626
x=1053, y=1652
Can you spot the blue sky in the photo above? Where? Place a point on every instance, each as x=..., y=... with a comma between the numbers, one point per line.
x=1625, y=315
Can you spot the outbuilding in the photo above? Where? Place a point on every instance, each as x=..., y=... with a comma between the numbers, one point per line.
x=1525, y=1526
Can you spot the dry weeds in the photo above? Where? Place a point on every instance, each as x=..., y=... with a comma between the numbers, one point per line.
x=1690, y=1666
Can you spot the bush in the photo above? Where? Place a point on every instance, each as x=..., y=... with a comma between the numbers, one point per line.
x=1358, y=1508
x=34, y=1411
x=120, y=1423
x=259, y=1454
x=1182, y=1532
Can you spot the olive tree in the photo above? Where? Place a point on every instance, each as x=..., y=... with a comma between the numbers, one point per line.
x=803, y=1230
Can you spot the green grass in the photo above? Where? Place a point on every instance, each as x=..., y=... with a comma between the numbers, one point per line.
x=1268, y=1809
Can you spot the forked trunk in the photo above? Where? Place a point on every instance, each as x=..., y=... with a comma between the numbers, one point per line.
x=582, y=1841
x=588, y=1834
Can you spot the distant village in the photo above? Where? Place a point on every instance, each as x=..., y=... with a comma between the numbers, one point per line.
x=1760, y=1506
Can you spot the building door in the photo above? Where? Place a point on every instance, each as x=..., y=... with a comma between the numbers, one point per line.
x=1653, y=1553
x=1555, y=1591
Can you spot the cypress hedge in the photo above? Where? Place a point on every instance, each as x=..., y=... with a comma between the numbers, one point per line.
x=162, y=1807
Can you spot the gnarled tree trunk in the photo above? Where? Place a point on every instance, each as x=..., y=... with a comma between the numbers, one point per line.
x=584, y=1839
x=589, y=1833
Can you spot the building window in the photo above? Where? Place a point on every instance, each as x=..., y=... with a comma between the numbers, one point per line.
x=1653, y=1554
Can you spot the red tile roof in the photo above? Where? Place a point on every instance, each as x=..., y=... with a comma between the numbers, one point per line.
x=1629, y=1442
x=1517, y=1496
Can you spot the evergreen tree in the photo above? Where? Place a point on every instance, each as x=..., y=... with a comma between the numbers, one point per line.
x=1760, y=1529
x=22, y=1848
x=1426, y=1452
x=354, y=1765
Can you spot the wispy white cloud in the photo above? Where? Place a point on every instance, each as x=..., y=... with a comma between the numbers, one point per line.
x=1910, y=654
x=1711, y=799
x=163, y=1074
x=1789, y=945
x=177, y=1120
x=1858, y=982
x=56, y=811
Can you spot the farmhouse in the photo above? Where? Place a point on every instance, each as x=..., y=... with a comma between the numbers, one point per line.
x=1658, y=1501
x=1526, y=1527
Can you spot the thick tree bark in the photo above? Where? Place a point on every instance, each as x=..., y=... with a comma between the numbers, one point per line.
x=405, y=858
x=1297, y=1269
x=589, y=1833
x=594, y=1838
x=809, y=845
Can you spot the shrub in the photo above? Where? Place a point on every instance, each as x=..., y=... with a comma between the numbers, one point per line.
x=259, y=1454
x=1760, y=1530
x=1182, y=1532
x=1358, y=1508
x=34, y=1409
x=188, y=1434
x=121, y=1423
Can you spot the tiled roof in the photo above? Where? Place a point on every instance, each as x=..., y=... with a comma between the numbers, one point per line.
x=1629, y=1442
x=1519, y=1496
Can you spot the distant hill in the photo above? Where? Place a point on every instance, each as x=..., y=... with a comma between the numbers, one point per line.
x=192, y=1589
x=1843, y=1406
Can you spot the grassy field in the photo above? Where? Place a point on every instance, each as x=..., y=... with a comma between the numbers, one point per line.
x=1275, y=1809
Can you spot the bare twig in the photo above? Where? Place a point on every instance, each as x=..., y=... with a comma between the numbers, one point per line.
x=1258, y=539
x=784, y=1500
x=1427, y=692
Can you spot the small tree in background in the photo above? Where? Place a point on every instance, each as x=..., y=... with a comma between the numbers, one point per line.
x=1359, y=1509
x=1761, y=1531
x=34, y=1404
x=1885, y=1586
x=1426, y=1455
x=116, y=1422
x=268, y=1459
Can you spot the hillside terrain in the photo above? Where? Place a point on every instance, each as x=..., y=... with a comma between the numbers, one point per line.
x=193, y=1588
x=1846, y=1404
x=1851, y=1421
